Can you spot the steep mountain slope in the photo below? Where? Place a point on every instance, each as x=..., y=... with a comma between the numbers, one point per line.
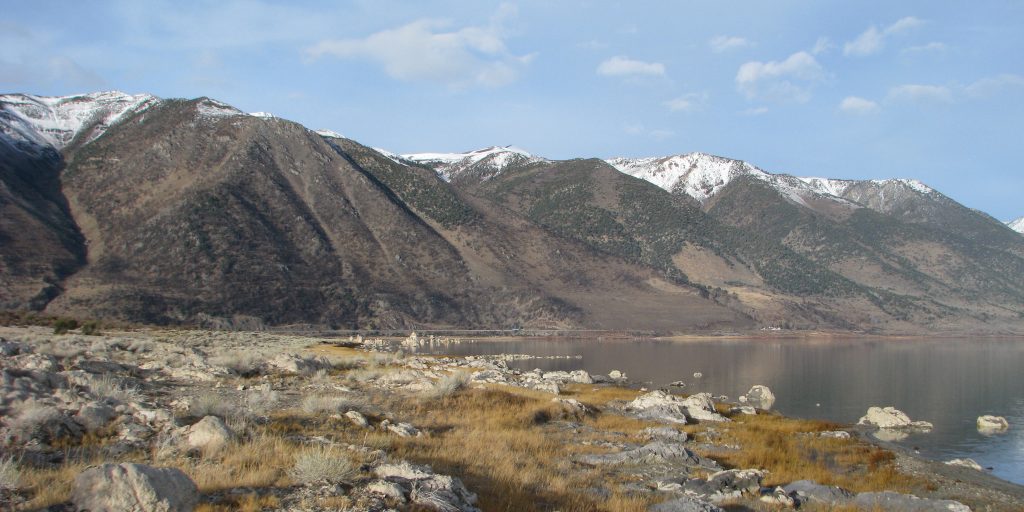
x=924, y=256
x=589, y=201
x=191, y=211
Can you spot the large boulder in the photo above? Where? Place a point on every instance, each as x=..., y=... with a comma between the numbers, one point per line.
x=759, y=396
x=657, y=451
x=133, y=488
x=661, y=406
x=685, y=504
x=728, y=484
x=808, y=491
x=894, y=501
x=992, y=424
x=891, y=418
x=208, y=434
x=427, y=489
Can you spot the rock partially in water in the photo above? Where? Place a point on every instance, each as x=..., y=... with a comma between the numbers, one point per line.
x=743, y=409
x=134, y=488
x=988, y=424
x=896, y=502
x=759, y=396
x=891, y=418
x=965, y=463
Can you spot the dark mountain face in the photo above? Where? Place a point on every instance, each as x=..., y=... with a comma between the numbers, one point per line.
x=174, y=211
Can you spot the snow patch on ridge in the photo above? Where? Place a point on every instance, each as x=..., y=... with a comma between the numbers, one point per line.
x=494, y=159
x=1017, y=225
x=701, y=176
x=58, y=120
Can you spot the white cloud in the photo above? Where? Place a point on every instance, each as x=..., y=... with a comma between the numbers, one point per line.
x=822, y=45
x=857, y=105
x=920, y=93
x=428, y=50
x=992, y=85
x=687, y=102
x=624, y=66
x=933, y=46
x=872, y=40
x=787, y=80
x=756, y=111
x=721, y=44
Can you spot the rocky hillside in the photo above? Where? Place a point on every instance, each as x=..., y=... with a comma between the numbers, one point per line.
x=191, y=211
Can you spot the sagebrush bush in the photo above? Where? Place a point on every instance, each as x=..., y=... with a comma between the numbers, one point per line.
x=91, y=328
x=112, y=386
x=320, y=464
x=449, y=385
x=211, y=404
x=324, y=404
x=63, y=325
x=9, y=473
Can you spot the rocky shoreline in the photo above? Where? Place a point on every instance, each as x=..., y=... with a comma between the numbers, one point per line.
x=258, y=421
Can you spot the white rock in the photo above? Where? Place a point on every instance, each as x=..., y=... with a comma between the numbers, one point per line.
x=966, y=463
x=761, y=396
x=835, y=434
x=992, y=424
x=387, y=489
x=616, y=375
x=134, y=488
x=209, y=433
x=357, y=418
x=891, y=418
x=403, y=430
x=743, y=409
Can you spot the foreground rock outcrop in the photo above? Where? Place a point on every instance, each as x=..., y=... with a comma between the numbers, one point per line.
x=134, y=488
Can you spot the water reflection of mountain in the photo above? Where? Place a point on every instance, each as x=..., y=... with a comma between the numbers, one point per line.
x=947, y=382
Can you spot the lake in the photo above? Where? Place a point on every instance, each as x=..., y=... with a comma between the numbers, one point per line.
x=948, y=382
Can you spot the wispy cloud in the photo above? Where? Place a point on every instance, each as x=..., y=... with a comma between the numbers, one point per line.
x=858, y=105
x=787, y=80
x=641, y=130
x=433, y=51
x=872, y=40
x=920, y=93
x=932, y=47
x=822, y=45
x=721, y=44
x=990, y=86
x=687, y=102
x=624, y=66
x=756, y=111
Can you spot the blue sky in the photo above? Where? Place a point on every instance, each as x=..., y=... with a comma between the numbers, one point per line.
x=920, y=89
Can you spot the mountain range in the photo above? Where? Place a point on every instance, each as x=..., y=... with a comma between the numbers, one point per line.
x=172, y=211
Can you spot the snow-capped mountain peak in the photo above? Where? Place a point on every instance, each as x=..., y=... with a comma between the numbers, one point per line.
x=1017, y=225
x=492, y=160
x=58, y=120
x=701, y=176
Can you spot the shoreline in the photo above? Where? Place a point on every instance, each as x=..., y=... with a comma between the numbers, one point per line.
x=557, y=440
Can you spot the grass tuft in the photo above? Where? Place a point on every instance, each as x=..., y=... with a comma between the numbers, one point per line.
x=323, y=464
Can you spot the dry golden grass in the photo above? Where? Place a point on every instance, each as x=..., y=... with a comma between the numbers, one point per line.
x=252, y=502
x=500, y=443
x=775, y=443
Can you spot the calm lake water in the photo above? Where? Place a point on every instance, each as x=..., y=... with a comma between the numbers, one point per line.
x=948, y=382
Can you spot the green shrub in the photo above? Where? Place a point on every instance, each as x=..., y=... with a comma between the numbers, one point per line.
x=91, y=328
x=63, y=325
